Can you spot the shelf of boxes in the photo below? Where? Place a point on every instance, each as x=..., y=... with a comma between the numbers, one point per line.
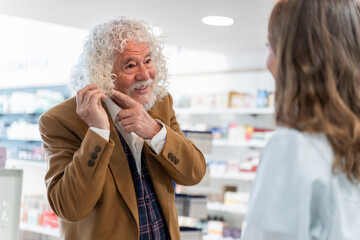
x=52, y=232
x=239, y=209
x=232, y=111
x=244, y=143
x=23, y=163
x=235, y=176
x=239, y=114
x=20, y=114
x=32, y=140
x=19, y=122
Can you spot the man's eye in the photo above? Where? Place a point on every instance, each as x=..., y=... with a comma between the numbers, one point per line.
x=130, y=66
x=148, y=61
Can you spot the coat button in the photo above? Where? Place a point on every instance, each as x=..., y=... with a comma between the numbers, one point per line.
x=91, y=163
x=176, y=161
x=93, y=155
x=170, y=155
x=173, y=158
x=97, y=149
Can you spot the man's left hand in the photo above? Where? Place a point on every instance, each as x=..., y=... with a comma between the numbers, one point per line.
x=134, y=118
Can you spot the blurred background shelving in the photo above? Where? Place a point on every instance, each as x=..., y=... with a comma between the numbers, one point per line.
x=231, y=123
x=20, y=109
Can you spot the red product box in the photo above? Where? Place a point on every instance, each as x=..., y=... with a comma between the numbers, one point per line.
x=50, y=219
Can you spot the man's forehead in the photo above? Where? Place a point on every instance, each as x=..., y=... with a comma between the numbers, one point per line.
x=136, y=48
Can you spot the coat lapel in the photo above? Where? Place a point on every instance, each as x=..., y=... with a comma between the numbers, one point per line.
x=157, y=173
x=120, y=169
x=157, y=178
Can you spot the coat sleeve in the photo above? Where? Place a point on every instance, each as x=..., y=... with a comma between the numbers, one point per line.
x=183, y=161
x=76, y=167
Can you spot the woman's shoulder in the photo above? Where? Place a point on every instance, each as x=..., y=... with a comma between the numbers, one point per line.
x=302, y=139
x=309, y=153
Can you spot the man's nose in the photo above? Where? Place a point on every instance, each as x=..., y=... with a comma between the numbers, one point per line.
x=142, y=74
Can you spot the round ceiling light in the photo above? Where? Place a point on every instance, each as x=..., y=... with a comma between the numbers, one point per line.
x=218, y=21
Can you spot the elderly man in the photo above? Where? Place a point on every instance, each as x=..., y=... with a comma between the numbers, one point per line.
x=114, y=149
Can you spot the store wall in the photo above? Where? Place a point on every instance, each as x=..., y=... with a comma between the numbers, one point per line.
x=36, y=53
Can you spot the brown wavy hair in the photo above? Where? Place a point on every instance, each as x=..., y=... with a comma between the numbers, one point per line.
x=317, y=47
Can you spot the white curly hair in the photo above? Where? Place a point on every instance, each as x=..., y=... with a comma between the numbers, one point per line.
x=96, y=62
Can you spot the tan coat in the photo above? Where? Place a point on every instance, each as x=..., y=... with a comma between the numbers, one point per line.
x=99, y=202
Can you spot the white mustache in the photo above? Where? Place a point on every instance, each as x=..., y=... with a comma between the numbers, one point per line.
x=142, y=84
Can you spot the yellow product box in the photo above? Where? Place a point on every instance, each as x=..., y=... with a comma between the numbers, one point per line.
x=240, y=100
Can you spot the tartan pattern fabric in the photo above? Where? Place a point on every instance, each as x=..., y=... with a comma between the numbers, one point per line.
x=151, y=219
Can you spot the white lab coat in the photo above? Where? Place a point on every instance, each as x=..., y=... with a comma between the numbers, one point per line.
x=296, y=196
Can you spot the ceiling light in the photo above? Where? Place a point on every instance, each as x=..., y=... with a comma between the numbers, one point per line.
x=218, y=21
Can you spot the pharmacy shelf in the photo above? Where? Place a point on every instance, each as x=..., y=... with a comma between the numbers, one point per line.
x=249, y=143
x=20, y=114
x=53, y=232
x=226, y=111
x=235, y=176
x=14, y=163
x=33, y=88
x=239, y=209
x=20, y=140
x=212, y=237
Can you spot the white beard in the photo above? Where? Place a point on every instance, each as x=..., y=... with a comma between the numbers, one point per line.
x=155, y=93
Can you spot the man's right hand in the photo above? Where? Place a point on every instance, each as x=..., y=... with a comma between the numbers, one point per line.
x=89, y=108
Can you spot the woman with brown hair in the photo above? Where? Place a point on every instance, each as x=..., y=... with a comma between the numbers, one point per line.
x=307, y=185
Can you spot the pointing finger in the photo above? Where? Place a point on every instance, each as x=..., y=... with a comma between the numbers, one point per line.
x=124, y=114
x=123, y=100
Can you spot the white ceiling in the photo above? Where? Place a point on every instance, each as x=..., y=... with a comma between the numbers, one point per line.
x=180, y=20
